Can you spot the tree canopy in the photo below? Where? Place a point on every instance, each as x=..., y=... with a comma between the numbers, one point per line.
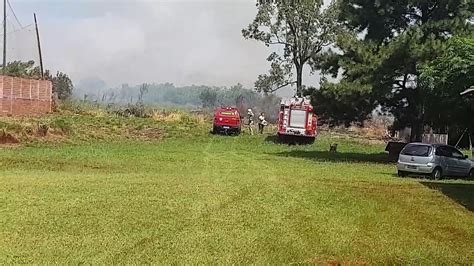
x=299, y=31
x=23, y=70
x=445, y=79
x=384, y=48
x=62, y=84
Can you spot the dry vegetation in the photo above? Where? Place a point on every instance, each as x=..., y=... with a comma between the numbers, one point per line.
x=373, y=132
x=72, y=123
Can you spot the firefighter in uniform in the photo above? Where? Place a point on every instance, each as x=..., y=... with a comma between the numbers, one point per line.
x=250, y=123
x=262, y=123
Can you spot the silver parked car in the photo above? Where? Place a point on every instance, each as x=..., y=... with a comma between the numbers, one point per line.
x=434, y=160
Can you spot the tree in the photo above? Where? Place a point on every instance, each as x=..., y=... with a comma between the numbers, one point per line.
x=240, y=97
x=392, y=41
x=23, y=70
x=302, y=28
x=342, y=103
x=62, y=86
x=445, y=78
x=209, y=98
x=142, y=92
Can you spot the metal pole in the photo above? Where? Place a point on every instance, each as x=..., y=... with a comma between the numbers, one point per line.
x=4, y=36
x=470, y=144
x=462, y=136
x=39, y=48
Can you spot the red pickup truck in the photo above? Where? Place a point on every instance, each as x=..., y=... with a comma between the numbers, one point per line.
x=227, y=120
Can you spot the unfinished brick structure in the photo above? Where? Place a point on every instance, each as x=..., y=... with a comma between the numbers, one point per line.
x=25, y=97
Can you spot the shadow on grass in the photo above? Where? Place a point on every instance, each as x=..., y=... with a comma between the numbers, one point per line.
x=326, y=156
x=290, y=141
x=425, y=177
x=461, y=193
x=272, y=139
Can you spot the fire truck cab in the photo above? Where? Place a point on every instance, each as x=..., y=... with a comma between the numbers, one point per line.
x=297, y=121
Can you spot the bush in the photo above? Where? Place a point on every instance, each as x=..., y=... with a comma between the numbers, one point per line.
x=63, y=124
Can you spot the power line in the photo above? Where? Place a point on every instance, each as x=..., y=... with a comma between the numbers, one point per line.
x=13, y=12
x=10, y=22
x=17, y=30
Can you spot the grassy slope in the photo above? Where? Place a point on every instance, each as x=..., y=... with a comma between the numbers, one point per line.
x=86, y=124
x=223, y=200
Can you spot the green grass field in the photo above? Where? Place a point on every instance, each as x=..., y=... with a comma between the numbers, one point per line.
x=210, y=199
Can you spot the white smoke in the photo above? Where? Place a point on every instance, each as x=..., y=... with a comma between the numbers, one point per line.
x=128, y=41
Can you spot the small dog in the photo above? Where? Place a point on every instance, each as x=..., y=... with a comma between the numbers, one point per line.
x=333, y=148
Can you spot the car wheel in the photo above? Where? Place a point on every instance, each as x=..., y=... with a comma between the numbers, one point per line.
x=471, y=174
x=402, y=174
x=437, y=173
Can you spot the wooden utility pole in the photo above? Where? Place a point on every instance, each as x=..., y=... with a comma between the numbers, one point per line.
x=39, y=47
x=4, y=36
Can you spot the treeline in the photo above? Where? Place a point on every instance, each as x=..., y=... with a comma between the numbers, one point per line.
x=168, y=95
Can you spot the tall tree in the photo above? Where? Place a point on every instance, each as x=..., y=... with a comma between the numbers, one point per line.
x=392, y=40
x=301, y=28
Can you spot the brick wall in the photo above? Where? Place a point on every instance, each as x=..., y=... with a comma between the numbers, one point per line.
x=24, y=97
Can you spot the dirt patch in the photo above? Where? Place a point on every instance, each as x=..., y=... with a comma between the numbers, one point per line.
x=8, y=139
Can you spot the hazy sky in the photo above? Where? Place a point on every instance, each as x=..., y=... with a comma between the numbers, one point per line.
x=133, y=41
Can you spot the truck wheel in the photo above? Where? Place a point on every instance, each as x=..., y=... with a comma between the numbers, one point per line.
x=402, y=174
x=214, y=130
x=437, y=174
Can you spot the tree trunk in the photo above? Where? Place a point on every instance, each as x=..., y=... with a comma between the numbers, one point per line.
x=418, y=120
x=299, y=80
x=417, y=126
x=417, y=131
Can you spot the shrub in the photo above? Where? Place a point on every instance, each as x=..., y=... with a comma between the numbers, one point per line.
x=63, y=124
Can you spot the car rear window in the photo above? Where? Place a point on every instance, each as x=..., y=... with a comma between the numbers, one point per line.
x=417, y=150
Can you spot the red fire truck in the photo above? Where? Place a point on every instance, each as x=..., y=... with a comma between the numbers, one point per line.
x=297, y=121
